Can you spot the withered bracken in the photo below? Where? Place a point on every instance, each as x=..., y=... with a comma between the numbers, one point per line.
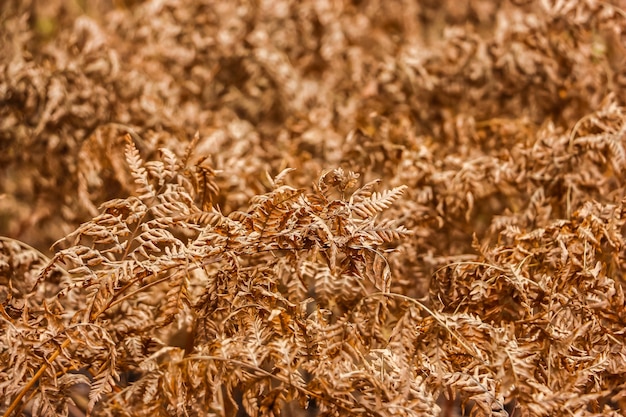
x=361, y=208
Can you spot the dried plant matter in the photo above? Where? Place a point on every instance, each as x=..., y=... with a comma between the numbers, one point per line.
x=312, y=208
x=239, y=282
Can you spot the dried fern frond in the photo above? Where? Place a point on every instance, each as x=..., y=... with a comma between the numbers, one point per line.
x=154, y=258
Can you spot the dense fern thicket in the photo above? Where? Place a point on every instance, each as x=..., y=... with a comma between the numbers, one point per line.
x=312, y=208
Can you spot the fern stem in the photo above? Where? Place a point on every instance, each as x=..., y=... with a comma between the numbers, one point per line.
x=472, y=351
x=35, y=378
x=115, y=300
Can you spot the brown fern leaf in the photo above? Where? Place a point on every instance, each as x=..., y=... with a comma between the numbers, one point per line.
x=176, y=298
x=138, y=171
x=271, y=213
x=376, y=203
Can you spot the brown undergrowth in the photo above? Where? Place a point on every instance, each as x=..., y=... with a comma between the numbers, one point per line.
x=368, y=208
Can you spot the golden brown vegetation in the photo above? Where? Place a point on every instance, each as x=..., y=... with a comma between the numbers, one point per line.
x=333, y=208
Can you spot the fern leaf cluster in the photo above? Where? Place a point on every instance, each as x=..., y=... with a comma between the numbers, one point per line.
x=155, y=261
x=344, y=208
